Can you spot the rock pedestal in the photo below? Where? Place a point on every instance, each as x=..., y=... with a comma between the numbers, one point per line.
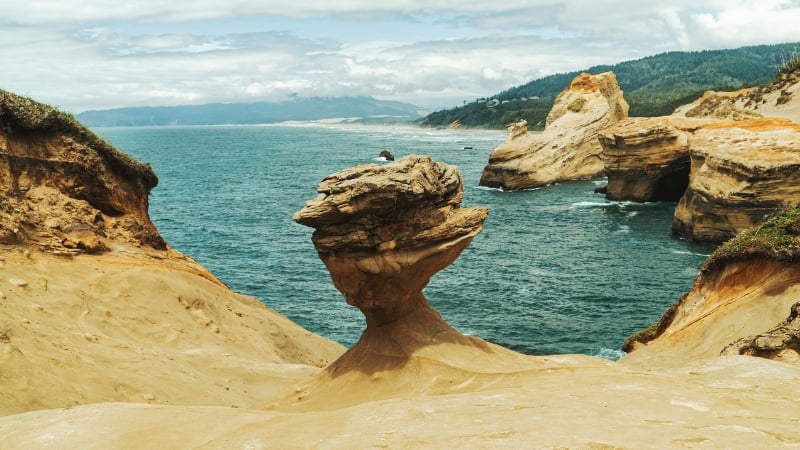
x=382, y=232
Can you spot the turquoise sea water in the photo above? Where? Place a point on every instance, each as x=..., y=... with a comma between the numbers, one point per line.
x=556, y=270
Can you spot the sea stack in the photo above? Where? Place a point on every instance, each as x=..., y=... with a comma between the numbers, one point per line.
x=383, y=231
x=568, y=148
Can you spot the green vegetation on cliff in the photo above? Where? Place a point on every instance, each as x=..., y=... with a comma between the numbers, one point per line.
x=653, y=86
x=778, y=238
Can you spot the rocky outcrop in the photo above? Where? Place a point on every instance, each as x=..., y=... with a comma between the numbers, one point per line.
x=63, y=188
x=124, y=318
x=741, y=173
x=738, y=305
x=647, y=159
x=382, y=232
x=779, y=98
x=568, y=148
x=781, y=342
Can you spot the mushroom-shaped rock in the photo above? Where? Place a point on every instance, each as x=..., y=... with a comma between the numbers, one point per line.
x=568, y=148
x=383, y=231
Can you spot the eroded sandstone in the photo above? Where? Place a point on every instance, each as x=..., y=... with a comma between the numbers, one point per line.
x=738, y=304
x=741, y=173
x=382, y=232
x=568, y=148
x=66, y=190
x=647, y=159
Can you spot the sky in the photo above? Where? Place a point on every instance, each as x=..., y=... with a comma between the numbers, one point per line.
x=100, y=54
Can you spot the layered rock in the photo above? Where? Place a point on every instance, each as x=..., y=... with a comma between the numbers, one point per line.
x=63, y=188
x=647, y=159
x=738, y=305
x=568, y=148
x=382, y=232
x=124, y=318
x=741, y=173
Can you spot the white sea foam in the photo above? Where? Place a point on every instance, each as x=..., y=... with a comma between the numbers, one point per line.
x=610, y=353
x=623, y=229
x=687, y=252
x=591, y=204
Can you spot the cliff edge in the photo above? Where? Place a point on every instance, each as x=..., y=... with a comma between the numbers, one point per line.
x=745, y=301
x=94, y=305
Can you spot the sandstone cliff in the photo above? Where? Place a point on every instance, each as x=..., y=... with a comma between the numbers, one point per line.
x=64, y=189
x=741, y=172
x=744, y=302
x=95, y=307
x=568, y=148
x=98, y=337
x=647, y=159
x=779, y=98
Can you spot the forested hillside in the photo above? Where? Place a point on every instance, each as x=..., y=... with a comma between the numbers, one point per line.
x=653, y=86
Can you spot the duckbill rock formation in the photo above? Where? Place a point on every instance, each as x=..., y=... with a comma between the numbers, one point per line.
x=64, y=189
x=647, y=159
x=741, y=173
x=382, y=232
x=568, y=148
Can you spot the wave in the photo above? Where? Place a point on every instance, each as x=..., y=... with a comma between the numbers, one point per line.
x=591, y=204
x=623, y=229
x=687, y=252
x=610, y=353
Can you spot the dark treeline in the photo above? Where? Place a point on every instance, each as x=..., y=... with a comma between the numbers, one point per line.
x=653, y=86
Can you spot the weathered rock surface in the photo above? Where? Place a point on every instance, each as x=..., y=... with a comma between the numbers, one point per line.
x=741, y=173
x=738, y=305
x=647, y=159
x=125, y=318
x=779, y=98
x=568, y=148
x=382, y=232
x=63, y=188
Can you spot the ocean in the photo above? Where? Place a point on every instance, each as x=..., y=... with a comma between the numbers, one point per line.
x=556, y=270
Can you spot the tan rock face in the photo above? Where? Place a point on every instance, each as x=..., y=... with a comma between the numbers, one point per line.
x=738, y=305
x=65, y=189
x=382, y=232
x=568, y=148
x=647, y=159
x=741, y=172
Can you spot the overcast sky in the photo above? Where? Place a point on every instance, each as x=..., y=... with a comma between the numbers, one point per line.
x=96, y=54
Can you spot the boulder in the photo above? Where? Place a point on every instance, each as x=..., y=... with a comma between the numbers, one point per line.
x=63, y=188
x=741, y=173
x=647, y=159
x=568, y=148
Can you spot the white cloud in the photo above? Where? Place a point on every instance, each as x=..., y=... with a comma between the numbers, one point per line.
x=88, y=54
